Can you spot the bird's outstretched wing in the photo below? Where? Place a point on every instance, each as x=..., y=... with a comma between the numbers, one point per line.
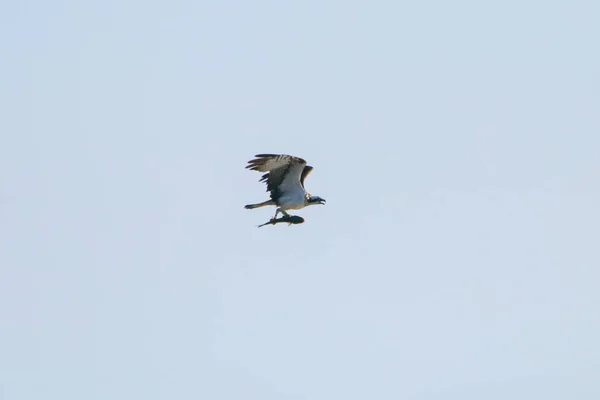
x=285, y=173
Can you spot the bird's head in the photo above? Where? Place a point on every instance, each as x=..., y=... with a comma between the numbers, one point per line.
x=316, y=200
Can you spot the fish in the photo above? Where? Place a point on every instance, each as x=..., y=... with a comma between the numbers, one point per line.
x=290, y=219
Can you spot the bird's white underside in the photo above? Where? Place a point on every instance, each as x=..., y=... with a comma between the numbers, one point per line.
x=293, y=200
x=293, y=195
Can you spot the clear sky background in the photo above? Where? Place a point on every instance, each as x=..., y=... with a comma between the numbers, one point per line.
x=457, y=145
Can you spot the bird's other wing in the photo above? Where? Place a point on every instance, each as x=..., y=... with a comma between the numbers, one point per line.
x=284, y=172
x=270, y=162
x=307, y=170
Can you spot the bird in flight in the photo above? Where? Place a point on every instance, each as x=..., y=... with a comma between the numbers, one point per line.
x=284, y=177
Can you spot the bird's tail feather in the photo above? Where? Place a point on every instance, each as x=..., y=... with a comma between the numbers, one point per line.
x=263, y=204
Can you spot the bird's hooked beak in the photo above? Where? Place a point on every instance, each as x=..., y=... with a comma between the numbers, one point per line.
x=316, y=200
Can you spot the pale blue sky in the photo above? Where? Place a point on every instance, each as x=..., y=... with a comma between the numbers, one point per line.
x=457, y=145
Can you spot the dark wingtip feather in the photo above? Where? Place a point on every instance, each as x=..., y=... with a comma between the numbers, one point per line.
x=264, y=177
x=257, y=161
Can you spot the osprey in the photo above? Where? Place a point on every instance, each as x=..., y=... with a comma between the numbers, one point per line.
x=285, y=181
